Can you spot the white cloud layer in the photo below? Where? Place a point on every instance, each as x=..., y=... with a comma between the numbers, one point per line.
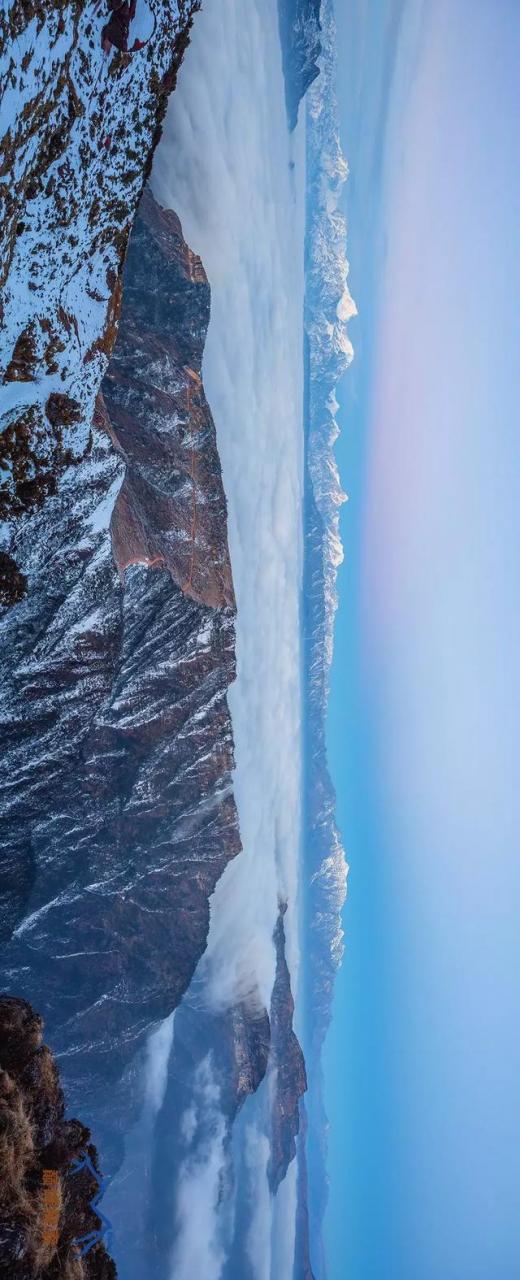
x=229, y=168
x=256, y=1150
x=156, y=1070
x=198, y=1251
x=224, y=165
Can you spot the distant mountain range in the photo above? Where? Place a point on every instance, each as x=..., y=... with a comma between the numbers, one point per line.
x=328, y=308
x=299, y=22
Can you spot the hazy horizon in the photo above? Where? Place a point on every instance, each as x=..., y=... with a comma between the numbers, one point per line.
x=423, y=1056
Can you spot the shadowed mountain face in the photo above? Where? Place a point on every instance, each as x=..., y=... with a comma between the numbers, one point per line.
x=118, y=814
x=299, y=22
x=171, y=509
x=287, y=1066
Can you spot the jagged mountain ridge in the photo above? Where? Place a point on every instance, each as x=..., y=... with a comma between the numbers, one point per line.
x=328, y=308
x=299, y=22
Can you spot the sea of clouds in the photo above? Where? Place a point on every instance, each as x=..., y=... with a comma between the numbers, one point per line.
x=225, y=166
x=235, y=176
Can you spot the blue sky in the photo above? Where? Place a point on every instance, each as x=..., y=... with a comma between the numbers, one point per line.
x=423, y=1059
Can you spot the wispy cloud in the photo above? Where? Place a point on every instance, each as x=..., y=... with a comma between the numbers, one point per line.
x=156, y=1070
x=199, y=1251
x=256, y=1156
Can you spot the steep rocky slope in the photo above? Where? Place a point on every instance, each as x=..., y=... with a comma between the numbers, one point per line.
x=38, y=1226
x=171, y=509
x=118, y=813
x=77, y=134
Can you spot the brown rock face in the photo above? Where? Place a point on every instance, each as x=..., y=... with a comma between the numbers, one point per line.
x=171, y=509
x=35, y=1137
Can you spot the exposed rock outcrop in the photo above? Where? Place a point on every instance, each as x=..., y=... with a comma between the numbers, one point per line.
x=80, y=130
x=37, y=1143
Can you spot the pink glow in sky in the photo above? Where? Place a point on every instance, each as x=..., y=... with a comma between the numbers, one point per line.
x=438, y=633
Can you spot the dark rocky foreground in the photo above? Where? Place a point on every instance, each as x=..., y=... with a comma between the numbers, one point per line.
x=35, y=1137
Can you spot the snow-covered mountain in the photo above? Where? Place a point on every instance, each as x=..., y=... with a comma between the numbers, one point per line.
x=328, y=309
x=77, y=133
x=299, y=22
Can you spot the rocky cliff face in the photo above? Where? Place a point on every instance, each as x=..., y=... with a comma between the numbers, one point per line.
x=118, y=813
x=171, y=509
x=38, y=1147
x=79, y=132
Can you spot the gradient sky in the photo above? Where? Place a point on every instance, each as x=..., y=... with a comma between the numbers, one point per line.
x=423, y=1060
